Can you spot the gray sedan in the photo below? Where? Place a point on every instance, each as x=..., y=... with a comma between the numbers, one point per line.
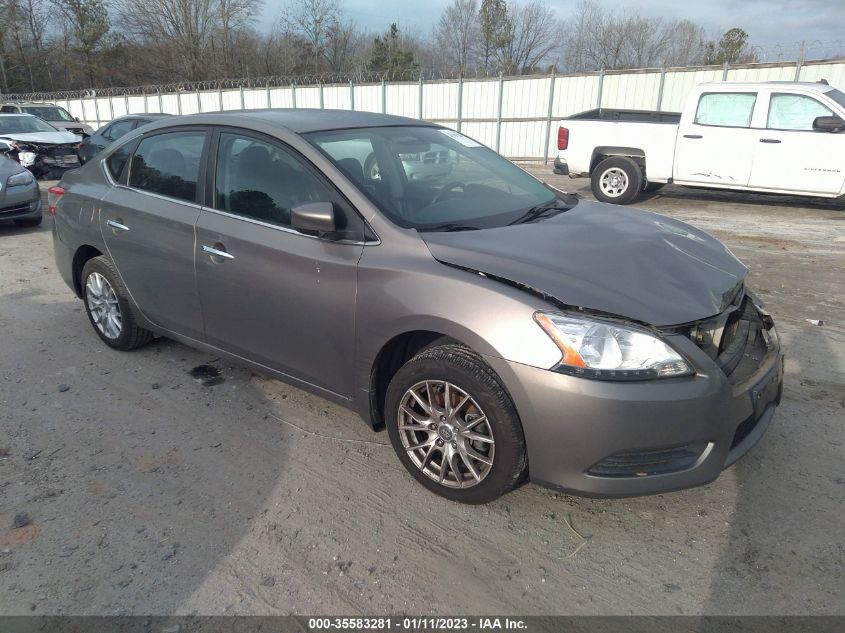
x=20, y=199
x=499, y=329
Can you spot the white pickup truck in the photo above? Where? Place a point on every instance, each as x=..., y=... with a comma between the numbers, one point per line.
x=778, y=137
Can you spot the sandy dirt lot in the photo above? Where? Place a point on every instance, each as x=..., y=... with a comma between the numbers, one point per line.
x=148, y=490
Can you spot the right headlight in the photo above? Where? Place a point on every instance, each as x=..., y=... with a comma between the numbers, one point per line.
x=23, y=178
x=608, y=351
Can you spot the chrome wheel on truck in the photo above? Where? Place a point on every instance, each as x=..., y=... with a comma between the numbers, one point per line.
x=618, y=180
x=454, y=426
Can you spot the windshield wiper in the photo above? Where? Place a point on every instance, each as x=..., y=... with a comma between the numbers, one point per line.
x=450, y=227
x=548, y=209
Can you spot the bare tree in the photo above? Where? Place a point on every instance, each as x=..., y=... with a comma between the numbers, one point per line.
x=457, y=32
x=533, y=34
x=313, y=20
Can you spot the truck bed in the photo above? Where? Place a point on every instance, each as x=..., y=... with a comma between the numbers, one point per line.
x=635, y=116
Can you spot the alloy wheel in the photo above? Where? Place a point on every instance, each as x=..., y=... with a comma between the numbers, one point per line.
x=103, y=306
x=446, y=434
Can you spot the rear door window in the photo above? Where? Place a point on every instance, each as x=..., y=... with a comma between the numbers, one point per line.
x=168, y=164
x=794, y=112
x=116, y=130
x=117, y=161
x=728, y=109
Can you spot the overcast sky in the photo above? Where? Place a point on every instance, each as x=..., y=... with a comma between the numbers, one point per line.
x=769, y=22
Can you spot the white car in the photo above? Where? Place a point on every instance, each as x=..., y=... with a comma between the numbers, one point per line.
x=778, y=137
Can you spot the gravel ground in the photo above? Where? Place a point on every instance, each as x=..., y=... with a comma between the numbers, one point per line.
x=145, y=490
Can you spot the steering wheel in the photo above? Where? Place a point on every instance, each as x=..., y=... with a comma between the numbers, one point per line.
x=455, y=184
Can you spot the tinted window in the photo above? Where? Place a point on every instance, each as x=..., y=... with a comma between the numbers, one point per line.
x=118, y=129
x=168, y=164
x=117, y=160
x=794, y=112
x=837, y=96
x=262, y=181
x=729, y=109
x=8, y=109
x=49, y=113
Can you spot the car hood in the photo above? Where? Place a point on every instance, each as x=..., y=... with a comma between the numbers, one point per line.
x=611, y=259
x=51, y=138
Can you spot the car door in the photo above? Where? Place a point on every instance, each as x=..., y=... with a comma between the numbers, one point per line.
x=148, y=226
x=790, y=155
x=715, y=146
x=270, y=294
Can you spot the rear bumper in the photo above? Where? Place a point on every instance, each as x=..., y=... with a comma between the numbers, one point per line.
x=611, y=439
x=561, y=168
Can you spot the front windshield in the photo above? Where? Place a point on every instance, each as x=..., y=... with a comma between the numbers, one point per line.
x=433, y=179
x=12, y=124
x=48, y=113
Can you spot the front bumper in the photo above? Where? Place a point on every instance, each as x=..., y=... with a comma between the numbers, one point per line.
x=610, y=439
x=21, y=202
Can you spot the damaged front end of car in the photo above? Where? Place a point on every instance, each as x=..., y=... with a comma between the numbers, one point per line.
x=45, y=160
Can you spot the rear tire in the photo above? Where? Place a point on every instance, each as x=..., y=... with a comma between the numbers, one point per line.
x=472, y=455
x=617, y=180
x=29, y=222
x=107, y=305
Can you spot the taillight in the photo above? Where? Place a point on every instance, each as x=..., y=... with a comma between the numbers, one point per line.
x=562, y=138
x=54, y=194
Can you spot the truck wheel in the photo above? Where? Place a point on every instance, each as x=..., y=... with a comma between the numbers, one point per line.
x=617, y=180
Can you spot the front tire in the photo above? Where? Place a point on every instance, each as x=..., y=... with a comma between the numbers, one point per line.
x=454, y=427
x=106, y=301
x=617, y=180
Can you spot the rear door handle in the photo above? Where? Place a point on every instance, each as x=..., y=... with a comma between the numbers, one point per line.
x=770, y=140
x=693, y=136
x=215, y=252
x=117, y=226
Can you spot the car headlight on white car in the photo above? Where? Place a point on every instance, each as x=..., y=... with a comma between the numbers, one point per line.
x=23, y=178
x=609, y=351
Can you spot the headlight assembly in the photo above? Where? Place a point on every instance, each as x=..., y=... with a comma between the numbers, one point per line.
x=608, y=351
x=23, y=178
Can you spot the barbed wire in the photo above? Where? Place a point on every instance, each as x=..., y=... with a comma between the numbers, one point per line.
x=354, y=78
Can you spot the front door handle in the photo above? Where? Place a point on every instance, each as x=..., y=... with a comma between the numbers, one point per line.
x=693, y=136
x=216, y=252
x=770, y=140
x=117, y=226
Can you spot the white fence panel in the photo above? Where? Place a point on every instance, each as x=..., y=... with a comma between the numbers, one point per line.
x=512, y=114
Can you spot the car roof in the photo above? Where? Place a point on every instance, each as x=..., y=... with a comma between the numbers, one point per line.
x=298, y=120
x=18, y=114
x=756, y=85
x=32, y=103
x=147, y=115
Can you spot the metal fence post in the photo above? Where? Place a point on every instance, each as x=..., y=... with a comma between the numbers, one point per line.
x=797, y=71
x=243, y=102
x=97, y=110
x=460, y=101
x=220, y=96
x=549, y=116
x=269, y=99
x=499, y=112
x=322, y=96
x=601, y=88
x=660, y=89
x=160, y=102
x=383, y=96
x=126, y=102
x=420, y=106
x=725, y=71
x=351, y=95
x=178, y=101
x=111, y=109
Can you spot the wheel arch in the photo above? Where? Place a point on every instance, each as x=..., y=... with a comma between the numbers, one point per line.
x=603, y=152
x=82, y=255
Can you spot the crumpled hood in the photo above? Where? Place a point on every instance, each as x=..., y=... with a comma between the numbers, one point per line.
x=54, y=138
x=618, y=260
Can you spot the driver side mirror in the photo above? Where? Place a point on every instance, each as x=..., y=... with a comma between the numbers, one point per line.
x=312, y=217
x=76, y=118
x=828, y=124
x=5, y=148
